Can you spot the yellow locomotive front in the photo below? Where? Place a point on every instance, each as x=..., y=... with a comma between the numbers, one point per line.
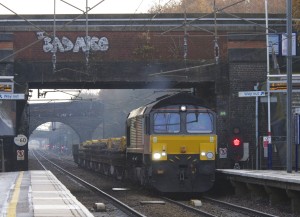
x=178, y=144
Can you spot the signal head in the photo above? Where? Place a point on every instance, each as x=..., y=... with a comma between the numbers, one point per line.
x=236, y=142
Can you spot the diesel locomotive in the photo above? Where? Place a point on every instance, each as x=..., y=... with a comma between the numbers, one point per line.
x=170, y=145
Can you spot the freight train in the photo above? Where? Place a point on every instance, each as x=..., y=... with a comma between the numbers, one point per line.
x=170, y=145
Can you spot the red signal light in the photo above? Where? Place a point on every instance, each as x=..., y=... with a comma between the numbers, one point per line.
x=236, y=142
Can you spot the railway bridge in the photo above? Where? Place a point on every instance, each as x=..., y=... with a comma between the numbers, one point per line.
x=217, y=57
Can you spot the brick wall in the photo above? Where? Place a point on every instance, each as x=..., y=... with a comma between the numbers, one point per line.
x=247, y=67
x=123, y=45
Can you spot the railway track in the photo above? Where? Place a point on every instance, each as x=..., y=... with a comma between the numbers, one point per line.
x=221, y=208
x=114, y=201
x=239, y=209
x=151, y=205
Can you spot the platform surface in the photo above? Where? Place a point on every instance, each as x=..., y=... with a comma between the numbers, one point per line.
x=274, y=175
x=272, y=178
x=37, y=193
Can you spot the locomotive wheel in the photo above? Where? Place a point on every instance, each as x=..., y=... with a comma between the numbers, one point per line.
x=93, y=166
x=126, y=174
x=119, y=172
x=106, y=168
x=98, y=169
x=112, y=170
x=143, y=176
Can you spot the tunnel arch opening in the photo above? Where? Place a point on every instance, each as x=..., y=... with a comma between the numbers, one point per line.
x=55, y=136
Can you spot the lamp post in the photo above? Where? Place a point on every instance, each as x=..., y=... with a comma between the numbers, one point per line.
x=289, y=86
x=268, y=89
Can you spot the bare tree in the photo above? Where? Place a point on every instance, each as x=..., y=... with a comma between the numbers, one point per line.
x=175, y=6
x=296, y=14
x=229, y=6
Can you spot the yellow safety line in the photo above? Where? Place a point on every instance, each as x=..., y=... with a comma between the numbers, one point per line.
x=11, y=210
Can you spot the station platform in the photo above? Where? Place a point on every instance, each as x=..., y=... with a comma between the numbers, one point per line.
x=37, y=193
x=277, y=185
x=277, y=177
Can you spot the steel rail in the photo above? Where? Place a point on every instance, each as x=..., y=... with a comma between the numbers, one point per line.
x=242, y=209
x=192, y=209
x=233, y=207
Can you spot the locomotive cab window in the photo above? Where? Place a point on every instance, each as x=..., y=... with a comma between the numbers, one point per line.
x=166, y=123
x=199, y=123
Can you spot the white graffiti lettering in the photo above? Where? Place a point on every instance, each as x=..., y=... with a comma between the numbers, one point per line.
x=67, y=43
x=103, y=44
x=81, y=43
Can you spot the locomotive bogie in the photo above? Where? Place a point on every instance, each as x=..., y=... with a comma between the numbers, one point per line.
x=173, y=177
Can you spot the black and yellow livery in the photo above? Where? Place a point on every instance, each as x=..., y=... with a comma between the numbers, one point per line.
x=171, y=145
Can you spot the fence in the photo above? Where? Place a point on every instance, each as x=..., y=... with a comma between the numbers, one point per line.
x=276, y=158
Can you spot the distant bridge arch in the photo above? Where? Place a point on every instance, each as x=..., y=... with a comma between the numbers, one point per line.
x=82, y=116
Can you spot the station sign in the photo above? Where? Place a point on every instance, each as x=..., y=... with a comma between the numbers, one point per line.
x=251, y=93
x=12, y=96
x=20, y=140
x=284, y=44
x=222, y=152
x=264, y=99
x=6, y=87
x=20, y=154
x=274, y=42
x=266, y=140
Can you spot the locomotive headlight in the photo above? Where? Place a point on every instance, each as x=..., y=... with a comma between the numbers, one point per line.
x=163, y=154
x=183, y=108
x=203, y=153
x=209, y=155
x=156, y=156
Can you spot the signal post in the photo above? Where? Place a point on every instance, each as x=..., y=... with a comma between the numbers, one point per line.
x=255, y=94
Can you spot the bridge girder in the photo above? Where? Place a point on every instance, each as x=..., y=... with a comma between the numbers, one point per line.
x=116, y=75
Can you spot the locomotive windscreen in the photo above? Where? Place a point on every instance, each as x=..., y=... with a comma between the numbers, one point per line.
x=7, y=118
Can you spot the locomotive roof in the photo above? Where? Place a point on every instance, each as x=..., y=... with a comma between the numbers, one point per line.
x=178, y=98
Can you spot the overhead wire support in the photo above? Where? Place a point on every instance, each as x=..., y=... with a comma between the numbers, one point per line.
x=89, y=9
x=54, y=40
x=185, y=43
x=199, y=18
x=23, y=18
x=184, y=25
x=182, y=70
x=248, y=21
x=72, y=6
x=87, y=39
x=216, y=45
x=42, y=30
